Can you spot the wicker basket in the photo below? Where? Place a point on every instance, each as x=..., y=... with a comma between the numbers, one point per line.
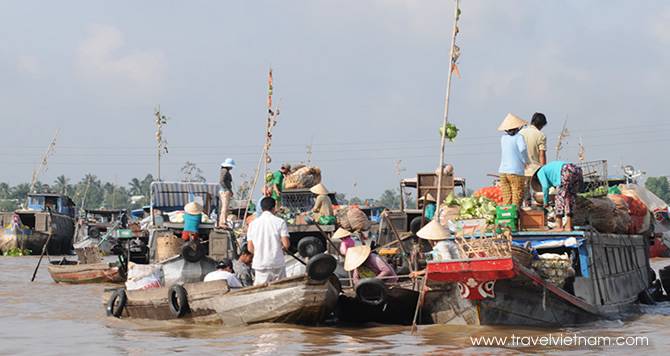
x=167, y=245
x=522, y=256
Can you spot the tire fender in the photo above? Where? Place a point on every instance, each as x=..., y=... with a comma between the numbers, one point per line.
x=178, y=300
x=114, y=309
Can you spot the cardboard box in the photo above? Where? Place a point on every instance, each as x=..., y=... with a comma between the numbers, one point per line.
x=532, y=220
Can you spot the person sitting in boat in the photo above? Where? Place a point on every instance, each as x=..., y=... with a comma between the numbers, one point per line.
x=567, y=178
x=242, y=267
x=443, y=248
x=267, y=238
x=323, y=207
x=366, y=264
x=345, y=238
x=224, y=271
x=429, y=211
x=192, y=218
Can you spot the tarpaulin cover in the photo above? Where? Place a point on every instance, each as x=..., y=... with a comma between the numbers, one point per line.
x=172, y=195
x=569, y=242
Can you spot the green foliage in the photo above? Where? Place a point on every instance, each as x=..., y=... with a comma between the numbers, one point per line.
x=659, y=186
x=16, y=251
x=390, y=199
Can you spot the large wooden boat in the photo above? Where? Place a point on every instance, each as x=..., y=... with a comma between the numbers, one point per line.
x=611, y=272
x=292, y=300
x=29, y=229
x=75, y=273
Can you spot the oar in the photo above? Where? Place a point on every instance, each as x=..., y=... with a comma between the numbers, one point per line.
x=296, y=258
x=44, y=248
x=419, y=304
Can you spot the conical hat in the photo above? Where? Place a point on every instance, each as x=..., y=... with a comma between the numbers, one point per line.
x=511, y=122
x=433, y=231
x=355, y=257
x=193, y=208
x=319, y=189
x=340, y=233
x=428, y=197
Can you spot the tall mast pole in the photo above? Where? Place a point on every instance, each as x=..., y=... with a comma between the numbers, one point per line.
x=43, y=164
x=452, y=64
x=161, y=143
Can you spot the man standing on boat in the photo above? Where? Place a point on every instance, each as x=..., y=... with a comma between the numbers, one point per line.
x=536, y=145
x=267, y=238
x=277, y=182
x=226, y=190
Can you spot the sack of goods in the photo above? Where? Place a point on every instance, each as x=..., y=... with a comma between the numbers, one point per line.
x=554, y=268
x=143, y=276
x=602, y=215
x=303, y=178
x=353, y=219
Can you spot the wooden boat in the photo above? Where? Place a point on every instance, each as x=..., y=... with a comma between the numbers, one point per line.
x=75, y=273
x=47, y=214
x=292, y=300
x=611, y=271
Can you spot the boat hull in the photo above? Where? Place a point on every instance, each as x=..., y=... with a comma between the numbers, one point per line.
x=86, y=273
x=35, y=235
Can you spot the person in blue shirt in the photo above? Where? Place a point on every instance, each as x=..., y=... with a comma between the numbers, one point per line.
x=513, y=160
x=192, y=218
x=429, y=211
x=567, y=178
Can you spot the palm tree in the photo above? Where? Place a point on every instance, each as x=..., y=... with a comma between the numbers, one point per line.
x=135, y=187
x=61, y=185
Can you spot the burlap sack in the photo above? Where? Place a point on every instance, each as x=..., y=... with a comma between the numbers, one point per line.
x=623, y=222
x=580, y=216
x=353, y=219
x=602, y=215
x=303, y=178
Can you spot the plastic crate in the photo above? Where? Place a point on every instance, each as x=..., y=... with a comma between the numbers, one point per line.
x=507, y=212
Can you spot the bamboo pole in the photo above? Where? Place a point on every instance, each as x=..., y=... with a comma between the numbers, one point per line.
x=446, y=109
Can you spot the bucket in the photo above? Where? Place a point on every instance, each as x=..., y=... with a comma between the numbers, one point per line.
x=167, y=245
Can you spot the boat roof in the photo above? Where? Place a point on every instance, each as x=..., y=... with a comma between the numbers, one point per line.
x=104, y=211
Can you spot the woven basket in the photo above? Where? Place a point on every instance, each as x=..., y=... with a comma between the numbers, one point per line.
x=167, y=245
x=522, y=256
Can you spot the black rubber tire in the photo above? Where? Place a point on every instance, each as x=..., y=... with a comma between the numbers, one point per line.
x=665, y=282
x=193, y=251
x=415, y=225
x=178, y=300
x=371, y=291
x=114, y=309
x=321, y=267
x=94, y=233
x=310, y=246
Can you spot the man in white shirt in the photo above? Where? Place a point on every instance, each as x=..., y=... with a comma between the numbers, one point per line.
x=267, y=238
x=224, y=271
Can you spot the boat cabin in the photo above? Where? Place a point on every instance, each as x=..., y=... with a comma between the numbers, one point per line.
x=57, y=203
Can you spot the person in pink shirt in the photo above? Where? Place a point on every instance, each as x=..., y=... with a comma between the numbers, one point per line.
x=364, y=264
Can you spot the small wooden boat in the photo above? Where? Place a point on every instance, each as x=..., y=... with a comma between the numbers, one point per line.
x=75, y=273
x=306, y=299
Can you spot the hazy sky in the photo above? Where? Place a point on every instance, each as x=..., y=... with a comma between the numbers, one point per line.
x=362, y=80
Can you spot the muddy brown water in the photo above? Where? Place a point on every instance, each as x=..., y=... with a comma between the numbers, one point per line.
x=46, y=318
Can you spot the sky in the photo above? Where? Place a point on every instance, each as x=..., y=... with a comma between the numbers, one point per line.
x=362, y=81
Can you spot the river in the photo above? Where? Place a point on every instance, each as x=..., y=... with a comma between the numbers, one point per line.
x=45, y=318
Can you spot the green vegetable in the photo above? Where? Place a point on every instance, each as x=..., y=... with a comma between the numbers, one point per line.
x=15, y=251
x=450, y=132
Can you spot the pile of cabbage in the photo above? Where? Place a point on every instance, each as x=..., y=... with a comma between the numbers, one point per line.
x=473, y=207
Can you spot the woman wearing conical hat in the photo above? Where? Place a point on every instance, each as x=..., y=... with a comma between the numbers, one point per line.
x=323, y=207
x=192, y=219
x=367, y=264
x=443, y=249
x=513, y=160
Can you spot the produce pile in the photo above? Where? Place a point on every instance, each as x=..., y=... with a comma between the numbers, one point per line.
x=493, y=193
x=473, y=207
x=598, y=192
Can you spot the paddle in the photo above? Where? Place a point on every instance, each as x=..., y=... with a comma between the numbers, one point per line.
x=44, y=248
x=419, y=304
x=296, y=258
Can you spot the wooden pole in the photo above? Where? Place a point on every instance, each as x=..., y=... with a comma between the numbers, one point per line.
x=446, y=107
x=44, y=248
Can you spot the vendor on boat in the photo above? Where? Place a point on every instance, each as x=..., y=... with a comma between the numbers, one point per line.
x=323, y=207
x=226, y=190
x=267, y=238
x=277, y=182
x=513, y=160
x=429, y=206
x=224, y=271
x=192, y=219
x=536, y=143
x=366, y=264
x=443, y=248
x=567, y=178
x=345, y=238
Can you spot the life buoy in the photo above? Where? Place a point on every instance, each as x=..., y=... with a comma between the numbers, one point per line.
x=193, y=251
x=113, y=308
x=178, y=300
x=321, y=267
x=371, y=291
